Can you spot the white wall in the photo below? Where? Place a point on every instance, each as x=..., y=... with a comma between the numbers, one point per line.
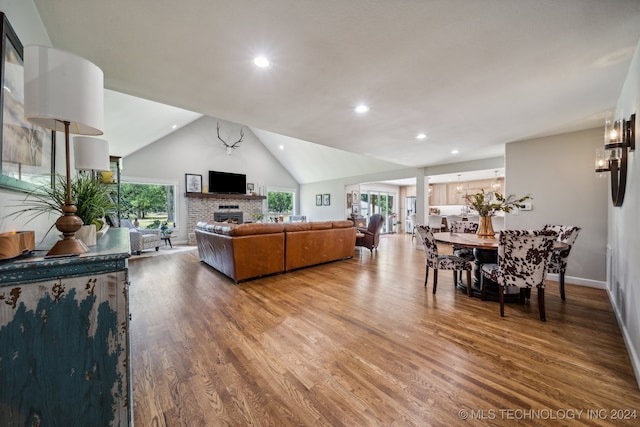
x=336, y=188
x=195, y=149
x=558, y=172
x=27, y=24
x=623, y=243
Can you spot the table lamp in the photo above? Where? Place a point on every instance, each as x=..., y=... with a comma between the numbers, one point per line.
x=91, y=154
x=65, y=93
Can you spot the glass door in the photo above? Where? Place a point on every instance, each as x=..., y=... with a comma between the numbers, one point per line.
x=377, y=202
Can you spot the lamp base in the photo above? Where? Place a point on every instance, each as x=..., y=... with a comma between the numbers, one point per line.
x=68, y=224
x=67, y=247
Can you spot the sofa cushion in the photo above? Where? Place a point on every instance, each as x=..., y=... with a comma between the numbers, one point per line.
x=342, y=224
x=297, y=226
x=321, y=225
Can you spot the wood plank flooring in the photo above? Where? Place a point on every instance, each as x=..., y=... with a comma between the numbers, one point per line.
x=361, y=342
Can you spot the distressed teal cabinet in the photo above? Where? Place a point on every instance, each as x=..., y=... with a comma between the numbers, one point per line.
x=64, y=342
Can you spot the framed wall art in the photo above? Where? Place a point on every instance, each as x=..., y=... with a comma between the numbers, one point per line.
x=28, y=151
x=318, y=199
x=193, y=183
x=326, y=199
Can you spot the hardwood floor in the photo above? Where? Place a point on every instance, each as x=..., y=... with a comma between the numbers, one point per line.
x=361, y=342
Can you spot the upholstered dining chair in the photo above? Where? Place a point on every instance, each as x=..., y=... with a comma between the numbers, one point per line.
x=463, y=227
x=441, y=262
x=371, y=233
x=452, y=218
x=523, y=257
x=412, y=225
x=435, y=222
x=558, y=263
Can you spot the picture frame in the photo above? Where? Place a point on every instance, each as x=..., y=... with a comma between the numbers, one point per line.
x=326, y=199
x=193, y=183
x=355, y=210
x=250, y=187
x=318, y=199
x=349, y=200
x=27, y=151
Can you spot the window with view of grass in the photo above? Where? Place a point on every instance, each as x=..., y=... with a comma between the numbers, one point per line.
x=151, y=204
x=280, y=205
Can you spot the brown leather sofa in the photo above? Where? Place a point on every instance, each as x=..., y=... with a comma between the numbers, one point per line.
x=245, y=251
x=311, y=243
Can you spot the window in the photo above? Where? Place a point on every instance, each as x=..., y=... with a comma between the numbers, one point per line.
x=280, y=205
x=151, y=204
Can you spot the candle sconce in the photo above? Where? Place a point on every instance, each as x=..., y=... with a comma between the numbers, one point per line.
x=619, y=139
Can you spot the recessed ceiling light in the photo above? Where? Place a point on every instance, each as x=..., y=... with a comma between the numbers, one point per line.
x=454, y=151
x=282, y=147
x=261, y=61
x=174, y=126
x=361, y=109
x=421, y=136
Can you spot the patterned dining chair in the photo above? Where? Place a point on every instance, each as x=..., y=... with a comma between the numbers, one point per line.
x=558, y=263
x=463, y=227
x=523, y=257
x=441, y=262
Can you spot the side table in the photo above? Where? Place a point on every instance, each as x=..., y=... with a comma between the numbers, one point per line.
x=167, y=239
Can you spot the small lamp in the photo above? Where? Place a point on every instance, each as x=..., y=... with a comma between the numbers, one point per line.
x=91, y=154
x=65, y=93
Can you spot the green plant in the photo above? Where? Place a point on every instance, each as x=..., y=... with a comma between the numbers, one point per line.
x=165, y=230
x=487, y=204
x=91, y=196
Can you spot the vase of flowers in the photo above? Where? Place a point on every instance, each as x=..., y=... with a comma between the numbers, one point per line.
x=487, y=204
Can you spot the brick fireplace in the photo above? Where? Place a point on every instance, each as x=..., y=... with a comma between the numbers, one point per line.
x=211, y=206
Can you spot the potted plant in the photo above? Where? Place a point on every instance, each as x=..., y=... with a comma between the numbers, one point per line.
x=487, y=204
x=165, y=230
x=91, y=196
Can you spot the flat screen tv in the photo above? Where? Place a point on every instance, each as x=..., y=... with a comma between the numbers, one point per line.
x=226, y=182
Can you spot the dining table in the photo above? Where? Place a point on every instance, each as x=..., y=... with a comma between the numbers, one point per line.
x=485, y=251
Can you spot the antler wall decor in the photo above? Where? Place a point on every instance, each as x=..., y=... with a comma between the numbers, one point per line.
x=230, y=146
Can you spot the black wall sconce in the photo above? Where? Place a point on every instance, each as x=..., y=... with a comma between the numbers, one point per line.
x=619, y=139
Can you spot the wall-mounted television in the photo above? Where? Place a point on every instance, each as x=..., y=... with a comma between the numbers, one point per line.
x=226, y=182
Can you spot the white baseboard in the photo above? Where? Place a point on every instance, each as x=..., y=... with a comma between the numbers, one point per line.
x=579, y=281
x=633, y=355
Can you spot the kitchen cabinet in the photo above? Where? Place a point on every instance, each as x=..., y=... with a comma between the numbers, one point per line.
x=438, y=196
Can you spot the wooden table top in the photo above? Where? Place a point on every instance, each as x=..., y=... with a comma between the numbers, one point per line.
x=470, y=240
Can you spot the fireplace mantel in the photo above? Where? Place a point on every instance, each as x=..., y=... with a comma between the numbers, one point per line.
x=225, y=196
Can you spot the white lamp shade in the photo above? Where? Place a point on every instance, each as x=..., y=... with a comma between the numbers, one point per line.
x=60, y=86
x=91, y=153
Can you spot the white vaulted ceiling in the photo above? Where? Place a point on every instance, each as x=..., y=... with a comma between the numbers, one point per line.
x=471, y=74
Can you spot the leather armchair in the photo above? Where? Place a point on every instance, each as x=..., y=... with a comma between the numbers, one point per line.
x=371, y=236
